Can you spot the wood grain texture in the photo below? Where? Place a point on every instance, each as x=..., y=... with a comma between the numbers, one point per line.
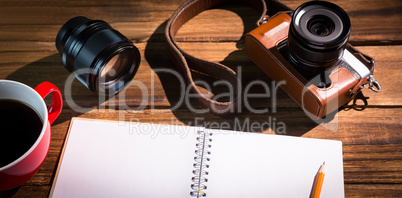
x=20, y=63
x=372, y=20
x=372, y=139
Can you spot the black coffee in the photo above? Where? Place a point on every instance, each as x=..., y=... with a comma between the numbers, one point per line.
x=20, y=126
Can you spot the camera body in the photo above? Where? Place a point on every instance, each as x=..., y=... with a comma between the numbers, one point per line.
x=320, y=76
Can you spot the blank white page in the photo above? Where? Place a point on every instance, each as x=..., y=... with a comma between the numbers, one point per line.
x=104, y=159
x=261, y=165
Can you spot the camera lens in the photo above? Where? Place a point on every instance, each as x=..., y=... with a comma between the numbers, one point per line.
x=115, y=66
x=320, y=25
x=318, y=35
x=101, y=58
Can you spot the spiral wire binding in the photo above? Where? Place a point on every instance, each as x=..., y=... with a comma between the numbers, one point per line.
x=201, y=166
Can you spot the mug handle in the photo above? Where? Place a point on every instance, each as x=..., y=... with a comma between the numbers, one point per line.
x=56, y=105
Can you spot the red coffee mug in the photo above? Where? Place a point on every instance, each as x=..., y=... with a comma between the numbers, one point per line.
x=25, y=166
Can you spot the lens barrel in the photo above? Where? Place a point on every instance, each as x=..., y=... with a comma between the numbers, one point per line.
x=101, y=58
x=318, y=34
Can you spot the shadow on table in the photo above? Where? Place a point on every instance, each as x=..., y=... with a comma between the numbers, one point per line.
x=52, y=70
x=295, y=121
x=9, y=193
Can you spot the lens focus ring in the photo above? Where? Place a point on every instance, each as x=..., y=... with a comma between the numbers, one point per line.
x=318, y=34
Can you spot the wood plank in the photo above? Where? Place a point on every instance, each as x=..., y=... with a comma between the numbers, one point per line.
x=370, y=190
x=374, y=126
x=372, y=21
x=23, y=64
x=27, y=191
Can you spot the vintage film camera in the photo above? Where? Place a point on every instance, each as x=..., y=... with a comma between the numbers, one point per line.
x=307, y=51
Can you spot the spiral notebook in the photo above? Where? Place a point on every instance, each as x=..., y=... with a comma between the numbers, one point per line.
x=122, y=159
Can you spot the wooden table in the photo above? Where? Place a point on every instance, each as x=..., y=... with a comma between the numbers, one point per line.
x=372, y=140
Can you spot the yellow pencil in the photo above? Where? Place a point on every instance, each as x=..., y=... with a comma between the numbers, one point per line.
x=319, y=179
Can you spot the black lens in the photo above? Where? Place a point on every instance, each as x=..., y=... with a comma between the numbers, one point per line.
x=102, y=58
x=320, y=25
x=318, y=35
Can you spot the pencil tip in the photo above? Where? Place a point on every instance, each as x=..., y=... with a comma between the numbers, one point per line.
x=323, y=163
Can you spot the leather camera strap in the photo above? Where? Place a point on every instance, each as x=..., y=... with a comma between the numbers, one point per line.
x=188, y=64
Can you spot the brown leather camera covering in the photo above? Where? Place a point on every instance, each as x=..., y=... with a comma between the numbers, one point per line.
x=261, y=47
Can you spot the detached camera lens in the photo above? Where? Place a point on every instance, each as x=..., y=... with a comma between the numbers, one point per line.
x=101, y=58
x=318, y=35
